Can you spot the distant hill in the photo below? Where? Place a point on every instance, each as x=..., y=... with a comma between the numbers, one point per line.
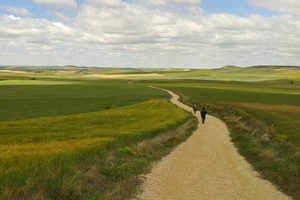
x=230, y=67
x=259, y=68
x=275, y=67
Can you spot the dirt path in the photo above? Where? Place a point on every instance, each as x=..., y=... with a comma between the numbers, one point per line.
x=206, y=166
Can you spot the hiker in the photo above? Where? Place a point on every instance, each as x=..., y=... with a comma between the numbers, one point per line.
x=203, y=115
x=195, y=108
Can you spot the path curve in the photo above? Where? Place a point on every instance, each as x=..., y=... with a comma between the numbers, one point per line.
x=206, y=166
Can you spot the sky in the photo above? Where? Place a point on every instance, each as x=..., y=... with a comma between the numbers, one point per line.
x=198, y=34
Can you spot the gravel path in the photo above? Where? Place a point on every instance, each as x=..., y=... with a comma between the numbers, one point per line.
x=206, y=166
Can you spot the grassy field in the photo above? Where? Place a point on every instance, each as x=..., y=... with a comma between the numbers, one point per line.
x=66, y=136
x=83, y=156
x=251, y=74
x=88, y=133
x=21, y=100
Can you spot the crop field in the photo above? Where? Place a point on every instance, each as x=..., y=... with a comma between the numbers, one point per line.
x=45, y=153
x=18, y=101
x=75, y=139
x=77, y=133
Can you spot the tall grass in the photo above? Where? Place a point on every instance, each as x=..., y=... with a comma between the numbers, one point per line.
x=270, y=142
x=54, y=158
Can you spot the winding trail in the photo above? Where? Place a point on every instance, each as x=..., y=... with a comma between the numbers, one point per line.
x=206, y=166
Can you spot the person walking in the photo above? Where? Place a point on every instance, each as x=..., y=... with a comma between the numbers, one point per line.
x=203, y=115
x=195, y=108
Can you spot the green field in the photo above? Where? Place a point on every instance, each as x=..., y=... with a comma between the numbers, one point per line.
x=58, y=135
x=52, y=98
x=79, y=133
x=49, y=154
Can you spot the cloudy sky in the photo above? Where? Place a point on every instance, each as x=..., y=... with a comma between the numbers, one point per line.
x=150, y=33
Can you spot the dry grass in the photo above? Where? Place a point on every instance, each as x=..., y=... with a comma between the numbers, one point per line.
x=147, y=152
x=268, y=137
x=147, y=146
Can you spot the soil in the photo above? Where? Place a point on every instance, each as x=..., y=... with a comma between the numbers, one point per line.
x=206, y=166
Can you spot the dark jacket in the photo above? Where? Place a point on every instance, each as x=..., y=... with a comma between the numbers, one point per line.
x=203, y=113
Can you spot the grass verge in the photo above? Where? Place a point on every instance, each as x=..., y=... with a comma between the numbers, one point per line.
x=267, y=142
x=139, y=159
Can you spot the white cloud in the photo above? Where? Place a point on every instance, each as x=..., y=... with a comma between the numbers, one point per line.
x=286, y=6
x=155, y=3
x=68, y=4
x=166, y=2
x=104, y=3
x=135, y=34
x=173, y=6
x=17, y=11
x=191, y=2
